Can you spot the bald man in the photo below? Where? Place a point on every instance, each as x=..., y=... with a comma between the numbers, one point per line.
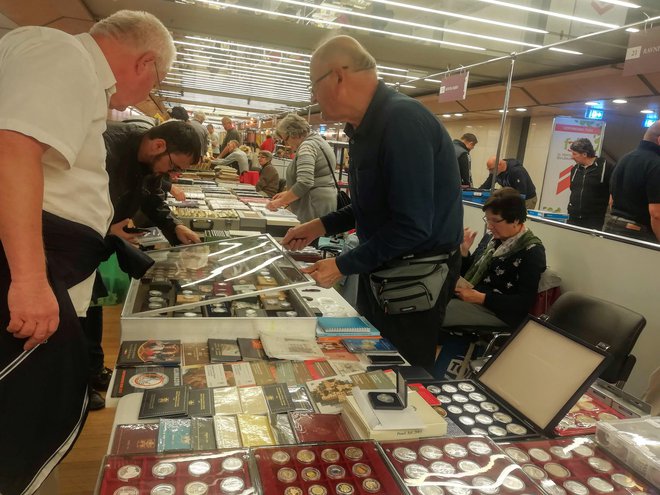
x=231, y=134
x=406, y=197
x=635, y=188
x=511, y=173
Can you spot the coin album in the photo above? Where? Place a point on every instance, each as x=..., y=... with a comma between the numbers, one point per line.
x=342, y=468
x=477, y=412
x=456, y=466
x=575, y=467
x=223, y=472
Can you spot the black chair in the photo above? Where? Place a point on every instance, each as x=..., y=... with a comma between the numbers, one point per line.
x=596, y=320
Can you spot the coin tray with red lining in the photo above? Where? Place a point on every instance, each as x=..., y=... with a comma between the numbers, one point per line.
x=583, y=416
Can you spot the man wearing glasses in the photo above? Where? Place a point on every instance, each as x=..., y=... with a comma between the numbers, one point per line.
x=405, y=190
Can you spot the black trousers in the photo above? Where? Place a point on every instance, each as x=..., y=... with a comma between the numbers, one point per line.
x=92, y=325
x=595, y=222
x=415, y=335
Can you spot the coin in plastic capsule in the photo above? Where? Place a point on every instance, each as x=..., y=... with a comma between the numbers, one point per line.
x=335, y=472
x=310, y=474
x=305, y=456
x=479, y=431
x=471, y=408
x=600, y=485
x=477, y=397
x=502, y=417
x=584, y=450
x=434, y=389
x=155, y=293
x=250, y=312
x=317, y=490
x=196, y=488
x=516, y=454
x=604, y=416
x=280, y=457
x=455, y=450
x=444, y=399
x=516, y=429
x=556, y=470
x=157, y=299
x=329, y=455
x=353, y=453
x=291, y=314
x=466, y=387
x=361, y=470
x=293, y=490
x=231, y=485
x=459, y=488
x=163, y=489
x=483, y=419
x=513, y=483
x=554, y=489
x=155, y=305
x=478, y=447
x=560, y=452
x=232, y=464
x=190, y=314
x=285, y=304
x=199, y=468
x=540, y=455
x=454, y=409
x=344, y=489
x=534, y=472
x=466, y=420
x=430, y=452
x=404, y=454
x=485, y=485
x=450, y=389
x=371, y=485
x=415, y=471
x=460, y=398
x=468, y=466
x=624, y=480
x=575, y=487
x=163, y=469
x=489, y=407
x=287, y=475
x=126, y=490
x=600, y=464
x=430, y=490
x=442, y=467
x=497, y=431
x=129, y=472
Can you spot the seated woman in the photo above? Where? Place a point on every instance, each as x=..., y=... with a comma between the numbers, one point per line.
x=505, y=269
x=269, y=179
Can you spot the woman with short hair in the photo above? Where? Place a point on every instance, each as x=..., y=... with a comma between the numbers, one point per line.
x=269, y=179
x=311, y=191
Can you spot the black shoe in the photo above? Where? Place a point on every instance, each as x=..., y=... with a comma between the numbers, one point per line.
x=95, y=399
x=101, y=380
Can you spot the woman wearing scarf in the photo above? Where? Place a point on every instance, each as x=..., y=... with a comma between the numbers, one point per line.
x=504, y=270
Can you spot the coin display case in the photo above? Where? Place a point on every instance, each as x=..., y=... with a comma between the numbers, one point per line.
x=223, y=472
x=456, y=466
x=575, y=467
x=341, y=468
x=583, y=416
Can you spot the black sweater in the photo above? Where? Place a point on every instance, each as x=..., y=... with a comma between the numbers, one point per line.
x=514, y=176
x=590, y=189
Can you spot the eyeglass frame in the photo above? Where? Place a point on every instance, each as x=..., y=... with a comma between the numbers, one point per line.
x=492, y=222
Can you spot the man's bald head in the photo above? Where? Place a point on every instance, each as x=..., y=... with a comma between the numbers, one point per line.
x=490, y=164
x=344, y=51
x=653, y=133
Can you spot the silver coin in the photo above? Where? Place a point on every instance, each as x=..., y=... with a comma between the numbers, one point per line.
x=466, y=420
x=575, y=487
x=517, y=455
x=232, y=464
x=450, y=389
x=554, y=489
x=497, y=431
x=468, y=466
x=190, y=314
x=291, y=314
x=600, y=485
x=477, y=397
x=513, y=483
x=454, y=409
x=584, y=450
x=233, y=484
x=599, y=464
x=126, y=490
x=442, y=467
x=560, y=452
x=483, y=419
x=455, y=450
x=502, y=417
x=430, y=452
x=623, y=480
x=485, y=485
x=129, y=472
x=534, y=472
x=199, y=468
x=163, y=469
x=466, y=387
x=163, y=489
x=444, y=399
x=479, y=431
x=196, y=488
x=556, y=470
x=157, y=299
x=460, y=398
x=430, y=490
x=435, y=390
x=404, y=454
x=459, y=488
x=385, y=398
x=489, y=406
x=155, y=293
x=478, y=447
x=471, y=408
x=155, y=305
x=415, y=471
x=540, y=455
x=516, y=429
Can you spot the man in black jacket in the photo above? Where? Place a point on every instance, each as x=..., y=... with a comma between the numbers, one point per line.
x=462, y=147
x=510, y=173
x=590, y=186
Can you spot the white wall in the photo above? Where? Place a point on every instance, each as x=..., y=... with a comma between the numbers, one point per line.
x=536, y=150
x=622, y=273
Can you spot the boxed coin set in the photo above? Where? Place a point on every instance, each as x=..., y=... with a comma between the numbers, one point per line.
x=342, y=468
x=456, y=466
x=575, y=467
x=221, y=472
x=583, y=416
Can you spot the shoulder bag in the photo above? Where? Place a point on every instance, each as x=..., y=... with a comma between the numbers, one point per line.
x=343, y=199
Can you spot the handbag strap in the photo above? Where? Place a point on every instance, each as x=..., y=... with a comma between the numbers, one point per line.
x=332, y=172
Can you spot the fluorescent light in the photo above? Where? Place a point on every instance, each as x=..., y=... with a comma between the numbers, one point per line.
x=619, y=101
x=437, y=81
x=521, y=109
x=446, y=115
x=621, y=3
x=458, y=115
x=592, y=103
x=501, y=111
x=400, y=85
x=198, y=38
x=250, y=70
x=632, y=30
x=563, y=50
x=647, y=110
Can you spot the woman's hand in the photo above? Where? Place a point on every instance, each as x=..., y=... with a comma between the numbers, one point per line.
x=468, y=239
x=470, y=295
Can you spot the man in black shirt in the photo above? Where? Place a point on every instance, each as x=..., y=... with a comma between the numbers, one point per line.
x=510, y=173
x=635, y=187
x=231, y=135
x=590, y=186
x=462, y=147
x=405, y=191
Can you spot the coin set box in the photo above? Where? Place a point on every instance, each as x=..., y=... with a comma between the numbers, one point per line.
x=456, y=466
x=575, y=467
x=219, y=473
x=342, y=468
x=476, y=412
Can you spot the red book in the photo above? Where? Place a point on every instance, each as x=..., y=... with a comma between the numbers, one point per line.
x=312, y=427
x=135, y=439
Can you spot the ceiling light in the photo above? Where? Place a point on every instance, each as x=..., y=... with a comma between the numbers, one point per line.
x=563, y=50
x=340, y=24
x=437, y=81
x=501, y=111
x=632, y=30
x=198, y=38
x=619, y=101
x=592, y=103
x=446, y=115
x=458, y=115
x=521, y=109
x=621, y=3
x=647, y=110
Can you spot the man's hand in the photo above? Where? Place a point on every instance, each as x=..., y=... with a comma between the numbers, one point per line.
x=118, y=230
x=178, y=193
x=298, y=237
x=325, y=272
x=33, y=310
x=186, y=236
x=470, y=295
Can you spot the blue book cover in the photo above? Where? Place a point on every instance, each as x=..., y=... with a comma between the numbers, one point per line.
x=329, y=326
x=368, y=345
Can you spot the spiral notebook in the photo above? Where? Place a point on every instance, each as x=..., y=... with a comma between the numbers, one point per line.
x=352, y=325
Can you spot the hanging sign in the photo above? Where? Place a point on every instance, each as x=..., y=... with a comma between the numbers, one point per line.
x=643, y=54
x=454, y=88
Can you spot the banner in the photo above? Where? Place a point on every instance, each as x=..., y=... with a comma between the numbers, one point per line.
x=557, y=180
x=454, y=88
x=643, y=54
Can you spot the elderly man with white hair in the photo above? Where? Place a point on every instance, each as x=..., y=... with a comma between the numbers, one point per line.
x=198, y=124
x=55, y=162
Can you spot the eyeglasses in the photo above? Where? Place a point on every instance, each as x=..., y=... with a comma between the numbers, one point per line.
x=173, y=165
x=157, y=84
x=310, y=88
x=491, y=222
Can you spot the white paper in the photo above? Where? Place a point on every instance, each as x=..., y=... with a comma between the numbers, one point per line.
x=280, y=346
x=380, y=419
x=243, y=374
x=215, y=375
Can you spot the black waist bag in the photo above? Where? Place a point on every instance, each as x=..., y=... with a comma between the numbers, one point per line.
x=409, y=286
